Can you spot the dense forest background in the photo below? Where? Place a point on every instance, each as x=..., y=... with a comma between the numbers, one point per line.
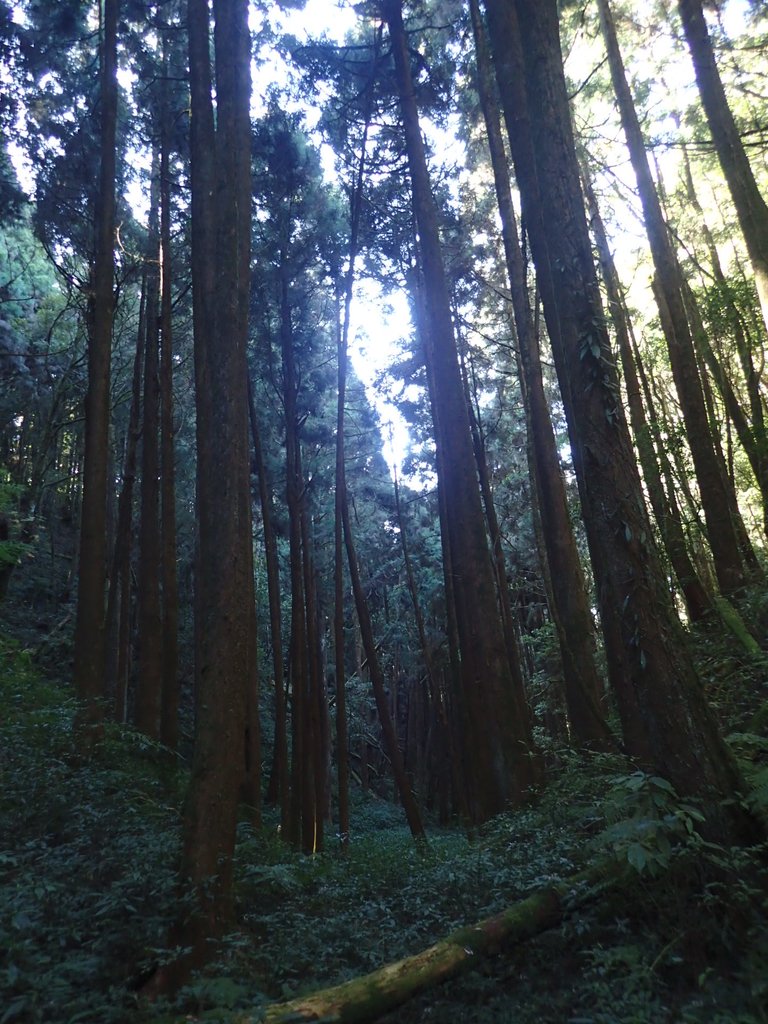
x=383, y=510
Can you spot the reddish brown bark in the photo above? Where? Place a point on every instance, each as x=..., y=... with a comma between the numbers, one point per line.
x=221, y=256
x=697, y=600
x=570, y=607
x=169, y=718
x=90, y=625
x=149, y=680
x=721, y=530
x=665, y=719
x=498, y=759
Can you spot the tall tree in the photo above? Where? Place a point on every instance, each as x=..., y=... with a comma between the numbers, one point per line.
x=498, y=760
x=169, y=724
x=710, y=476
x=570, y=608
x=343, y=320
x=148, y=612
x=697, y=600
x=277, y=789
x=221, y=224
x=90, y=625
x=748, y=422
x=665, y=719
x=751, y=207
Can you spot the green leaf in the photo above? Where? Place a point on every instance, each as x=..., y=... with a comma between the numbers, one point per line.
x=14, y=1010
x=637, y=857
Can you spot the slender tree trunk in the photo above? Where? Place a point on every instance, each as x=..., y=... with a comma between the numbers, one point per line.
x=750, y=429
x=666, y=722
x=316, y=781
x=169, y=722
x=90, y=625
x=751, y=208
x=149, y=681
x=342, y=730
x=570, y=607
x=301, y=825
x=697, y=600
x=278, y=789
x=491, y=519
x=714, y=499
x=498, y=755
x=342, y=342
x=435, y=701
x=119, y=600
x=456, y=746
x=412, y=813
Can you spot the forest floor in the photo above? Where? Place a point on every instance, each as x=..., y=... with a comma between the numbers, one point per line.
x=87, y=892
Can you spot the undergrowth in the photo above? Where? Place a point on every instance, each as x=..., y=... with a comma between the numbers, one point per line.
x=88, y=891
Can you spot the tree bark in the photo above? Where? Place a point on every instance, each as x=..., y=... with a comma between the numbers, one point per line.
x=149, y=680
x=570, y=607
x=721, y=530
x=498, y=756
x=119, y=599
x=697, y=600
x=402, y=782
x=342, y=343
x=301, y=819
x=90, y=624
x=220, y=196
x=169, y=719
x=666, y=722
x=279, y=788
x=342, y=730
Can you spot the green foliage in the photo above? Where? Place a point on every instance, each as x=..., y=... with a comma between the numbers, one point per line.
x=645, y=819
x=86, y=858
x=88, y=890
x=752, y=752
x=11, y=550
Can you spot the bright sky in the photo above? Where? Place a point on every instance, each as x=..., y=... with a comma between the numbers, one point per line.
x=378, y=323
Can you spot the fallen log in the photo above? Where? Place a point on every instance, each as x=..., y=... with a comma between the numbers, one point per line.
x=362, y=1000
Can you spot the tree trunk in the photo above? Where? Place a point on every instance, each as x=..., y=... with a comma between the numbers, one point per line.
x=278, y=789
x=119, y=600
x=720, y=528
x=90, y=625
x=756, y=443
x=751, y=208
x=697, y=600
x=666, y=722
x=169, y=720
x=316, y=713
x=412, y=813
x=570, y=607
x=220, y=196
x=370, y=997
x=498, y=755
x=342, y=731
x=149, y=680
x=301, y=819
